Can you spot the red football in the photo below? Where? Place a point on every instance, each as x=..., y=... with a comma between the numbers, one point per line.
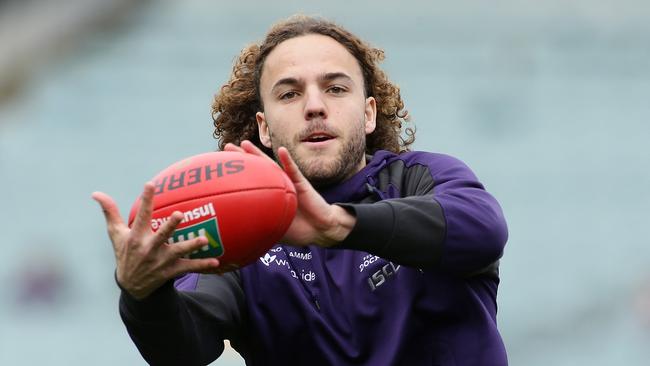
x=241, y=202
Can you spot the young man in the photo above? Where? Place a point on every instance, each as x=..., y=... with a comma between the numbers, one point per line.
x=392, y=258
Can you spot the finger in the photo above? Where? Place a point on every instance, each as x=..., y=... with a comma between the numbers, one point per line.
x=232, y=147
x=168, y=228
x=251, y=148
x=110, y=210
x=142, y=222
x=185, y=248
x=290, y=166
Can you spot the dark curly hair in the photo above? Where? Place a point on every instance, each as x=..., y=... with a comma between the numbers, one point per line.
x=234, y=107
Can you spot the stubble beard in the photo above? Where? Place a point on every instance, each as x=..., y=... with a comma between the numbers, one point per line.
x=321, y=173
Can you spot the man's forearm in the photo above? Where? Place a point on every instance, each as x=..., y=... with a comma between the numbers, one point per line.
x=413, y=231
x=172, y=327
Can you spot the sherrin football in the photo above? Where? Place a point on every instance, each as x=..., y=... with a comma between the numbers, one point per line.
x=241, y=203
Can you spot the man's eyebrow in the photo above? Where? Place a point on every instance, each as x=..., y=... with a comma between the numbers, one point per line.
x=286, y=81
x=335, y=75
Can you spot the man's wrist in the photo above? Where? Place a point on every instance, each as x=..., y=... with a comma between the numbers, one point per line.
x=117, y=282
x=135, y=296
x=344, y=222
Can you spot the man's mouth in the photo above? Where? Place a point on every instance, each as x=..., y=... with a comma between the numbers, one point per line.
x=318, y=137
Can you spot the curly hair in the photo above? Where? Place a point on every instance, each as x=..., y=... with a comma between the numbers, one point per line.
x=235, y=106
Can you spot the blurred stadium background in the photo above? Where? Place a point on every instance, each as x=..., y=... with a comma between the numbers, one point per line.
x=546, y=100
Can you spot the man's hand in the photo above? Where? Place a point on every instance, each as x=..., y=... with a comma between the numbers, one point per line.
x=144, y=259
x=316, y=221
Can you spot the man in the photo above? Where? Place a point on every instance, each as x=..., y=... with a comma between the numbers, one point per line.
x=392, y=258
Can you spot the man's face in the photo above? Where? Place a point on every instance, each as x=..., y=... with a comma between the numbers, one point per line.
x=314, y=105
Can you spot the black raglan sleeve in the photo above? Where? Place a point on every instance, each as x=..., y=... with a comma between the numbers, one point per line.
x=408, y=231
x=172, y=327
x=445, y=219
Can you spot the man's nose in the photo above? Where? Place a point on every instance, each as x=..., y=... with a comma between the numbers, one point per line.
x=315, y=106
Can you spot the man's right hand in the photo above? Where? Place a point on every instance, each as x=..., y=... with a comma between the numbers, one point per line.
x=144, y=259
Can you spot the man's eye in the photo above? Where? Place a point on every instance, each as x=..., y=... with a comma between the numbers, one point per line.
x=288, y=95
x=336, y=90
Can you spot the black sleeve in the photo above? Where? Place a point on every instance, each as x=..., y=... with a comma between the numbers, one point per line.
x=445, y=220
x=416, y=223
x=172, y=327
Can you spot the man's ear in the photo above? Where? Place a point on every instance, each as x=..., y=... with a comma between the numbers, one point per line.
x=263, y=127
x=370, y=115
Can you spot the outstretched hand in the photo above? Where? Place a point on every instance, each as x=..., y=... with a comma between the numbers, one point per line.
x=144, y=259
x=316, y=221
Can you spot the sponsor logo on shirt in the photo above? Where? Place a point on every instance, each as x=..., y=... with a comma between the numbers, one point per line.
x=382, y=275
x=366, y=261
x=382, y=270
x=300, y=255
x=268, y=259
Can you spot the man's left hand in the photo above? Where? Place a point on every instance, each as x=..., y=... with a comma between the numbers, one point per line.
x=316, y=222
